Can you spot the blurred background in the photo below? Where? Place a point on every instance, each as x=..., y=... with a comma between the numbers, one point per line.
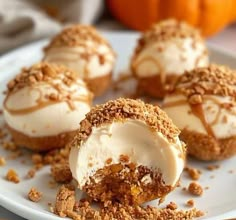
x=24, y=21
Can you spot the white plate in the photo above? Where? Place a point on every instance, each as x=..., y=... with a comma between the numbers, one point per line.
x=219, y=201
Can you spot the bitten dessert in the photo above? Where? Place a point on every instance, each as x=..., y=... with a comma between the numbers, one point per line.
x=126, y=151
x=44, y=105
x=163, y=53
x=84, y=50
x=203, y=105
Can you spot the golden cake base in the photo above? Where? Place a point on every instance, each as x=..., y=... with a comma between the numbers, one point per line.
x=100, y=84
x=126, y=184
x=152, y=86
x=205, y=147
x=41, y=144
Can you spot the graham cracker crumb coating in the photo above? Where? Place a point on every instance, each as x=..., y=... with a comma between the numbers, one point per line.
x=166, y=30
x=41, y=72
x=205, y=147
x=74, y=35
x=122, y=109
x=211, y=80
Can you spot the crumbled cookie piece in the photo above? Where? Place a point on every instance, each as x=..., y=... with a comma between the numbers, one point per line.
x=12, y=176
x=172, y=206
x=37, y=158
x=190, y=203
x=34, y=195
x=2, y=161
x=195, y=189
x=113, y=210
x=193, y=173
x=9, y=145
x=213, y=167
x=65, y=200
x=76, y=35
x=61, y=172
x=31, y=173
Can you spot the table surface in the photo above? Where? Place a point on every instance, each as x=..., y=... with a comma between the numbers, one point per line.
x=226, y=39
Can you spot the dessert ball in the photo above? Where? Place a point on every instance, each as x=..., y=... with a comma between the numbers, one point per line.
x=44, y=105
x=85, y=51
x=203, y=105
x=163, y=53
x=126, y=151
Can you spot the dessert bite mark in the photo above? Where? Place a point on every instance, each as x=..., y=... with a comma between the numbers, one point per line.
x=109, y=131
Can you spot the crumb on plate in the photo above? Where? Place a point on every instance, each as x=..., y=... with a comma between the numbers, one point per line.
x=2, y=161
x=195, y=189
x=61, y=172
x=12, y=176
x=34, y=195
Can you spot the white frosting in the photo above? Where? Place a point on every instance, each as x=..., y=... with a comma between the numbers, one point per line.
x=133, y=138
x=183, y=117
x=73, y=58
x=175, y=56
x=52, y=119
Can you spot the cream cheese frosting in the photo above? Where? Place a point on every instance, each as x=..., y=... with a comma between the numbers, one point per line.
x=222, y=121
x=173, y=56
x=91, y=67
x=47, y=107
x=82, y=49
x=132, y=138
x=169, y=48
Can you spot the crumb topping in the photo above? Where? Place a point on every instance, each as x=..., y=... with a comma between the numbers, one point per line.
x=61, y=85
x=76, y=35
x=212, y=80
x=166, y=30
x=34, y=195
x=122, y=109
x=42, y=72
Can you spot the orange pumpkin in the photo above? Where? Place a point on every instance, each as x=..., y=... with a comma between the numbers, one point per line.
x=209, y=16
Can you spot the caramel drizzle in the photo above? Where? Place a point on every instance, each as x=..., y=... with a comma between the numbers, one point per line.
x=42, y=103
x=78, y=54
x=158, y=65
x=197, y=110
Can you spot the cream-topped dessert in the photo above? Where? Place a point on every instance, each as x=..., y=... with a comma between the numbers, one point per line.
x=203, y=105
x=163, y=53
x=44, y=105
x=85, y=51
x=128, y=151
